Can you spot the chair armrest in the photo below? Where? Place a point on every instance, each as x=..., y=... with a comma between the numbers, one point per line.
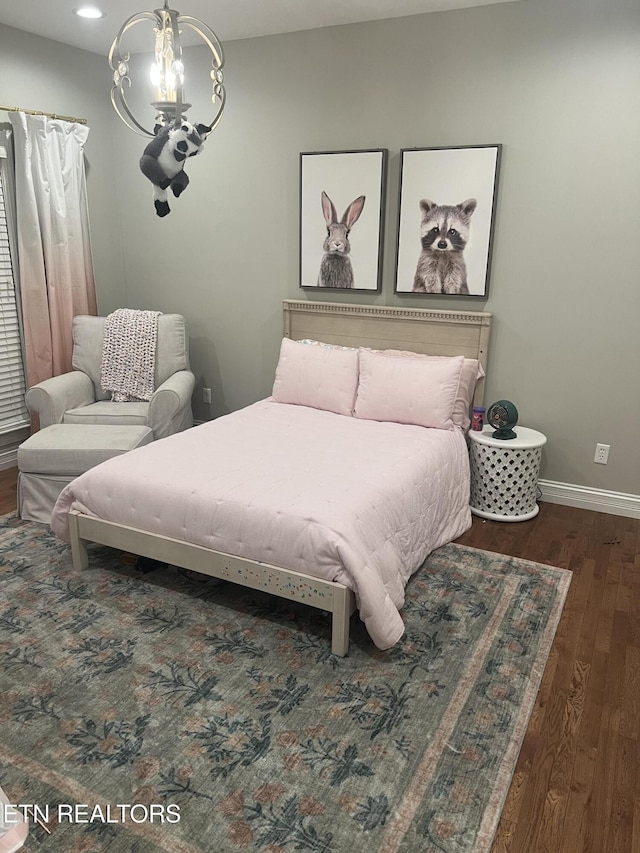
x=170, y=405
x=49, y=400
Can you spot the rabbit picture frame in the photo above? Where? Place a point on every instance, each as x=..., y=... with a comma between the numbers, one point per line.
x=342, y=198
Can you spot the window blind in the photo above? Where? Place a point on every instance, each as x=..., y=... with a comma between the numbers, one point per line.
x=13, y=412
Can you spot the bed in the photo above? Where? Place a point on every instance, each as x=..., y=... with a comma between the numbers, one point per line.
x=300, y=500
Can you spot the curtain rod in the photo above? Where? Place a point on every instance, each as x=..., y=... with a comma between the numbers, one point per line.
x=40, y=113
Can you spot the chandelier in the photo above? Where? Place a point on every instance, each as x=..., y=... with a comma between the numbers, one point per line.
x=167, y=71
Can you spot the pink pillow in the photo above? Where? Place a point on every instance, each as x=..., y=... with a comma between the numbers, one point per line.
x=316, y=376
x=408, y=390
x=472, y=370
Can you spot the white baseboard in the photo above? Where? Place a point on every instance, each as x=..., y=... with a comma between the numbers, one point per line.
x=584, y=497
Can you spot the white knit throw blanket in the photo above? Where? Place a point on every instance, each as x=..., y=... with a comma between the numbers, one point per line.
x=129, y=354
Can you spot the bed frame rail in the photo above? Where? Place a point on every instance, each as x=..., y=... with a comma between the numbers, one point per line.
x=335, y=598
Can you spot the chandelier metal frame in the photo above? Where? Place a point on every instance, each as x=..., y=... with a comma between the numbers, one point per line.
x=170, y=105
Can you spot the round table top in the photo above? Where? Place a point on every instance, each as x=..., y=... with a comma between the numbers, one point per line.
x=525, y=438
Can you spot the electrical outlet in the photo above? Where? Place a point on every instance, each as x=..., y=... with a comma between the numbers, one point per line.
x=206, y=395
x=602, y=453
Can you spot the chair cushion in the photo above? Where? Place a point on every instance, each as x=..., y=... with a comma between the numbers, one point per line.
x=172, y=351
x=73, y=449
x=106, y=412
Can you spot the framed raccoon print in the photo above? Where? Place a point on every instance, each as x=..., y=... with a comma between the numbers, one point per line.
x=446, y=216
x=342, y=196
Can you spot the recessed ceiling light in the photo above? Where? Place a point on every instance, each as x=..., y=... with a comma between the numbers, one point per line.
x=89, y=12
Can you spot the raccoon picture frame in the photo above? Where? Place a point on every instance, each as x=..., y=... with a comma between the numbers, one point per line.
x=446, y=214
x=342, y=206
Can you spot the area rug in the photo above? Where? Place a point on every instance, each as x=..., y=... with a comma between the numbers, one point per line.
x=171, y=712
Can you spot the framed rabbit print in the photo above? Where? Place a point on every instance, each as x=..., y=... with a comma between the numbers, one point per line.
x=342, y=195
x=446, y=212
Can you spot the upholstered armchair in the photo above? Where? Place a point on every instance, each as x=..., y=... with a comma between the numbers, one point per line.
x=77, y=397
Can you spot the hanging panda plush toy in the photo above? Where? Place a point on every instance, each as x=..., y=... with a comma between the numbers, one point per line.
x=164, y=158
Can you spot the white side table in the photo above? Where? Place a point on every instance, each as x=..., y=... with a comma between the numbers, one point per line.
x=504, y=474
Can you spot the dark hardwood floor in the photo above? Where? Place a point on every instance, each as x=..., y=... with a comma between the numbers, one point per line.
x=8, y=490
x=576, y=788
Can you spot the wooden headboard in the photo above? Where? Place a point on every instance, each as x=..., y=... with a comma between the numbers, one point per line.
x=384, y=327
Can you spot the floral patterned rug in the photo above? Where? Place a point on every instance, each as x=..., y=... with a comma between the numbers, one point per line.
x=142, y=713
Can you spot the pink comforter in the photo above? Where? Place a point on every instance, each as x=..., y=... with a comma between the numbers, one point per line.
x=348, y=500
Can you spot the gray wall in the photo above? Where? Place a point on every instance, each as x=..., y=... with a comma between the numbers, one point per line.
x=558, y=84
x=40, y=74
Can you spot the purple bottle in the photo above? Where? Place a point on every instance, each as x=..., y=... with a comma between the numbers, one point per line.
x=477, y=421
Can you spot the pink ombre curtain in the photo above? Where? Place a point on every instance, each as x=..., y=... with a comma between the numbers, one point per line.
x=54, y=249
